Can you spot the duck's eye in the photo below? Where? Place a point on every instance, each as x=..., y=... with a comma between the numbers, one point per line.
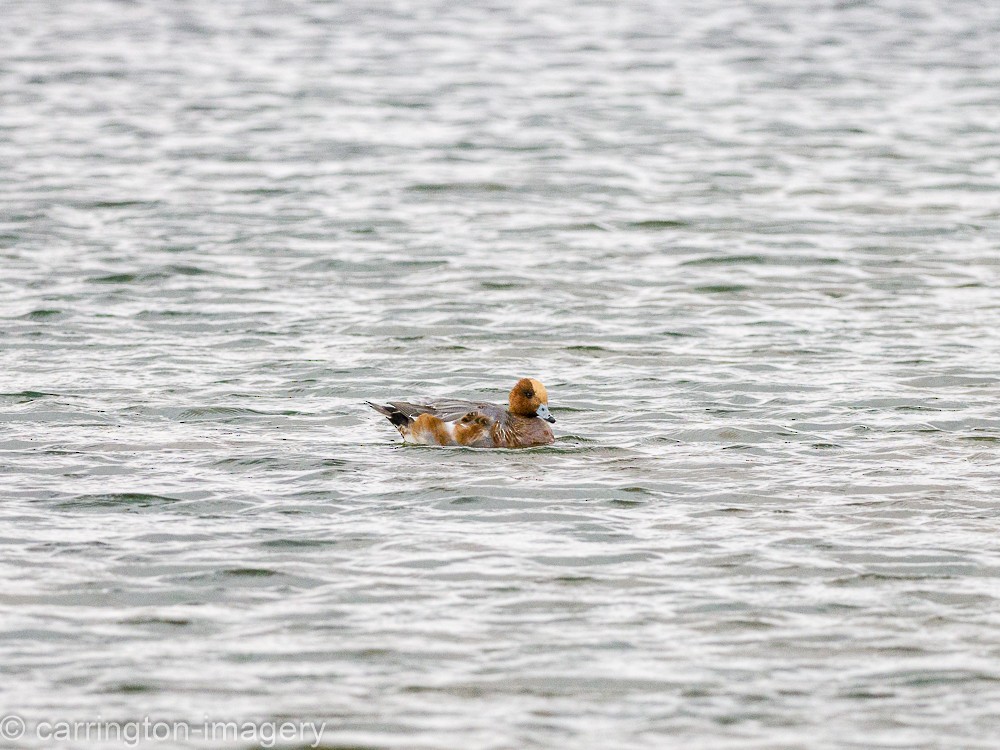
x=529, y=394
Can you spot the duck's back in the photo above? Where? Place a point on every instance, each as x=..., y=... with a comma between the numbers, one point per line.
x=449, y=409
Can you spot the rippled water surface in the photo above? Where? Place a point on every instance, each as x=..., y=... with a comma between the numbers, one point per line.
x=752, y=249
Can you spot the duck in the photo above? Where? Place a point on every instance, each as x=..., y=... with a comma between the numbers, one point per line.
x=473, y=424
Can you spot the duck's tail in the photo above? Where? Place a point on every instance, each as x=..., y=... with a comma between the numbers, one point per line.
x=393, y=414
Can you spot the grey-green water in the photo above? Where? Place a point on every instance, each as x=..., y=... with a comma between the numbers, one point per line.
x=752, y=249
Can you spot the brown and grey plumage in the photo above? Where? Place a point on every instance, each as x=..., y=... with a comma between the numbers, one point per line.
x=476, y=424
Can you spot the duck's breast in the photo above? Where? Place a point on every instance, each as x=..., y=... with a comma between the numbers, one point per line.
x=522, y=432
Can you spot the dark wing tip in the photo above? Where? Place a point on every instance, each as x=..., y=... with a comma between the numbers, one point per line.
x=393, y=414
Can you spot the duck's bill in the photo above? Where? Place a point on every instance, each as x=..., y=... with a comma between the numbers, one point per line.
x=551, y=419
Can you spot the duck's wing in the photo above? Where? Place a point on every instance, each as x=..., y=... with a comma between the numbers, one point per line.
x=448, y=409
x=445, y=409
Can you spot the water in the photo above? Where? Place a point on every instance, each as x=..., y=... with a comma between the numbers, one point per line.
x=750, y=248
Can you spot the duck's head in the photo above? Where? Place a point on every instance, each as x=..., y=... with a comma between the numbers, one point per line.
x=529, y=399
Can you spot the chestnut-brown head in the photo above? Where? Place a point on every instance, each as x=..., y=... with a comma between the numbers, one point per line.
x=529, y=399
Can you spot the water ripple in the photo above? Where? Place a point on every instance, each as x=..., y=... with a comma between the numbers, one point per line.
x=751, y=249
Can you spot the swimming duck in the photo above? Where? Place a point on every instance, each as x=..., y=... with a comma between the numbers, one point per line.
x=450, y=421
